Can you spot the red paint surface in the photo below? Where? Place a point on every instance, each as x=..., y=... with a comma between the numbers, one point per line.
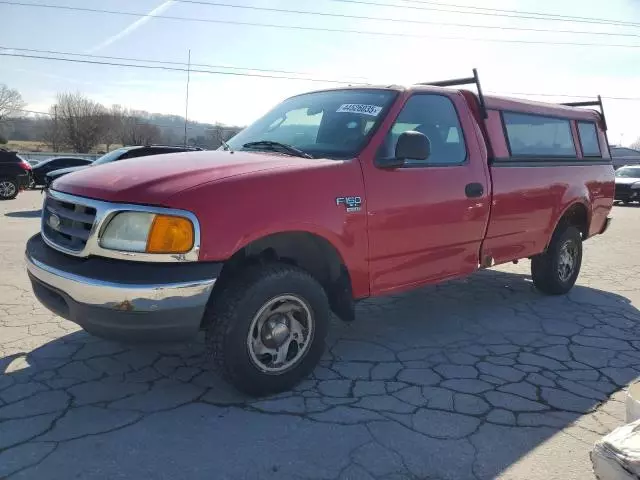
x=416, y=225
x=529, y=201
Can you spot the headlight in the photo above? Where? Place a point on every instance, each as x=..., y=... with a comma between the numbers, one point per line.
x=636, y=186
x=148, y=232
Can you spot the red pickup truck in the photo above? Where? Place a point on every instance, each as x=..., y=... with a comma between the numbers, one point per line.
x=332, y=197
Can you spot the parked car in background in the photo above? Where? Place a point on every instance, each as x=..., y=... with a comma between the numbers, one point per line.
x=40, y=170
x=15, y=174
x=331, y=197
x=120, y=154
x=628, y=184
x=622, y=156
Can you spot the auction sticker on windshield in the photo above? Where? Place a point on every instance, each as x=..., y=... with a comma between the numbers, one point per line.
x=372, y=110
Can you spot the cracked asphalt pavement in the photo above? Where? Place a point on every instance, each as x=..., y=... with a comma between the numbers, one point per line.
x=473, y=379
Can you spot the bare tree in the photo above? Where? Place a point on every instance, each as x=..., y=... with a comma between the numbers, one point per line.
x=136, y=131
x=112, y=124
x=219, y=133
x=52, y=132
x=81, y=120
x=170, y=137
x=636, y=145
x=10, y=102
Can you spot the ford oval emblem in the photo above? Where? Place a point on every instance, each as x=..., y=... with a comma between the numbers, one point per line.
x=54, y=220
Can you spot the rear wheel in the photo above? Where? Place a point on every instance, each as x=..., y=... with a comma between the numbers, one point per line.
x=8, y=188
x=267, y=328
x=556, y=271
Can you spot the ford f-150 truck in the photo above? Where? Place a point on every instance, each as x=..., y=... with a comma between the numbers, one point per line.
x=332, y=197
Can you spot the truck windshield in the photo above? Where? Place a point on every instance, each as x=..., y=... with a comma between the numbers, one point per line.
x=330, y=124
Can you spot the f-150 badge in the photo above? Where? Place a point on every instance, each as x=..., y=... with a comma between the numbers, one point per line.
x=352, y=204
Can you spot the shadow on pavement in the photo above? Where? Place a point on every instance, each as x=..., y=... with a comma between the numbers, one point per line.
x=456, y=381
x=25, y=214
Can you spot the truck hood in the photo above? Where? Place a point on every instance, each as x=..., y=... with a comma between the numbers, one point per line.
x=152, y=180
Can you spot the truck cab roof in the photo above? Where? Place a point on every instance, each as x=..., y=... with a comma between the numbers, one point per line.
x=497, y=102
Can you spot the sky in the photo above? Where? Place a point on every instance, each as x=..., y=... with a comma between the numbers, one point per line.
x=411, y=45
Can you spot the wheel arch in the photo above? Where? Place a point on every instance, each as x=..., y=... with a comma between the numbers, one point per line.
x=308, y=250
x=577, y=214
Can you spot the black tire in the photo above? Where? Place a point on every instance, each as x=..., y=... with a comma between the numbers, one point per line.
x=8, y=188
x=546, y=268
x=230, y=315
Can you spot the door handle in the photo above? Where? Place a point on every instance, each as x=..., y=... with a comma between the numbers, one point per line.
x=474, y=190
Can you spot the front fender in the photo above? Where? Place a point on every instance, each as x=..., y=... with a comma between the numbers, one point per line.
x=241, y=210
x=332, y=237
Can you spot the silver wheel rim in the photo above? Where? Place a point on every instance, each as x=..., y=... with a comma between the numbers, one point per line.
x=567, y=260
x=280, y=334
x=7, y=189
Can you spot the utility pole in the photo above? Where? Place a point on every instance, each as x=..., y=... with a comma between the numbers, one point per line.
x=186, y=107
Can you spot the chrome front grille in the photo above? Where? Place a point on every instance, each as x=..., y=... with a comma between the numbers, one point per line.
x=67, y=224
x=73, y=224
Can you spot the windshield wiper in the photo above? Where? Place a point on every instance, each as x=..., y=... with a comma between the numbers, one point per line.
x=277, y=146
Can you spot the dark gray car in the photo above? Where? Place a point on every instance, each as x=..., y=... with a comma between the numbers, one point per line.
x=41, y=170
x=622, y=156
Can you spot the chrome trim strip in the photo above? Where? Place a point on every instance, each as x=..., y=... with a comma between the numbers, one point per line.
x=123, y=297
x=104, y=213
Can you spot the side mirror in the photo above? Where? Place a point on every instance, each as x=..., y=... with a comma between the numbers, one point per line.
x=410, y=144
x=414, y=145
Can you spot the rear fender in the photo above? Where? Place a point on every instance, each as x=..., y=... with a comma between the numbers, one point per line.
x=576, y=199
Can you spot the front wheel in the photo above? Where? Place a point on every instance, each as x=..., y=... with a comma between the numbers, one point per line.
x=8, y=188
x=267, y=328
x=556, y=271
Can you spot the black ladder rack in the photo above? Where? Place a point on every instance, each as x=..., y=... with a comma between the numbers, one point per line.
x=475, y=80
x=590, y=103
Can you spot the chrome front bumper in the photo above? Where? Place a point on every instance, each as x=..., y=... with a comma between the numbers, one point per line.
x=122, y=300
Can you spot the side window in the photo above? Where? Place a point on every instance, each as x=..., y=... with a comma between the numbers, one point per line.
x=78, y=162
x=135, y=153
x=56, y=164
x=157, y=151
x=536, y=135
x=436, y=117
x=70, y=162
x=589, y=139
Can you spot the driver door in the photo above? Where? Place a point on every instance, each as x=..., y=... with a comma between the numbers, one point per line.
x=425, y=223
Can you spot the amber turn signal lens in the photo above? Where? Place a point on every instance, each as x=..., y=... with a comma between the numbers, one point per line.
x=170, y=235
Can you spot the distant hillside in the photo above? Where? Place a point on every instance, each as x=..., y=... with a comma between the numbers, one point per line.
x=170, y=130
